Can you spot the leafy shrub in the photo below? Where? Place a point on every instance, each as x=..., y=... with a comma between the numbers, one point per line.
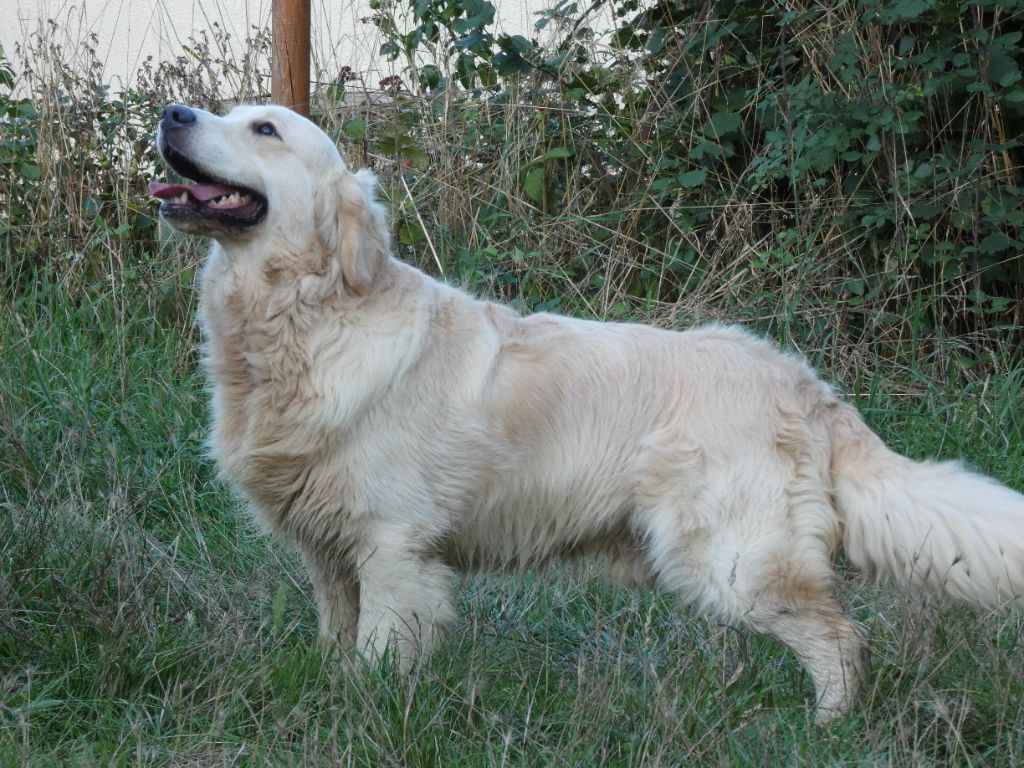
x=879, y=137
x=853, y=169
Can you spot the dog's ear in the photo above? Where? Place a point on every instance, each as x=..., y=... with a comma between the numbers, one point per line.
x=353, y=228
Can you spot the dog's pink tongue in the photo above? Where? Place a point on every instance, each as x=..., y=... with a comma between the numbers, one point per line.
x=201, y=192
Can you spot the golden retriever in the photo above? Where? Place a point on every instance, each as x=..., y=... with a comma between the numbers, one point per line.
x=399, y=431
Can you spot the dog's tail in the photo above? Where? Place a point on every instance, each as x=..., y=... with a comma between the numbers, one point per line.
x=930, y=525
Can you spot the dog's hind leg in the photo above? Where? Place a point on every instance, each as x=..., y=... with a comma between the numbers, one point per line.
x=789, y=600
x=782, y=591
x=751, y=544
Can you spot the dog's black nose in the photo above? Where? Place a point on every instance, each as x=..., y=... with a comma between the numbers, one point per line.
x=178, y=115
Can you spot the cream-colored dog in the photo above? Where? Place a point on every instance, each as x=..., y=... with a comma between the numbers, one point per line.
x=400, y=431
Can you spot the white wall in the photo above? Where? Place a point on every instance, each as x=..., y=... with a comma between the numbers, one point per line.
x=129, y=30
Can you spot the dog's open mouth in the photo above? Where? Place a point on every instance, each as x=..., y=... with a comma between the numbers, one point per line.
x=210, y=203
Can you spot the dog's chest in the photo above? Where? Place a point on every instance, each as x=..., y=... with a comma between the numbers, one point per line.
x=258, y=367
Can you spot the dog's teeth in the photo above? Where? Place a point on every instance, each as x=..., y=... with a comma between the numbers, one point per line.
x=233, y=200
x=181, y=199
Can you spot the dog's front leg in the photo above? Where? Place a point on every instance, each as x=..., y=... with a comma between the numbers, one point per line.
x=336, y=592
x=405, y=598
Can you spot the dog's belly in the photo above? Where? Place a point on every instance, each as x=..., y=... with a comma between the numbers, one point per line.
x=526, y=519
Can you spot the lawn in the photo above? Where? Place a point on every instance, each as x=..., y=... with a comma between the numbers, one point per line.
x=144, y=619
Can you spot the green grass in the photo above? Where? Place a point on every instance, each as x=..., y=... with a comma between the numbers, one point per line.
x=145, y=621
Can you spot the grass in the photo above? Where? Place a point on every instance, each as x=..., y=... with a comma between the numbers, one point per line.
x=144, y=620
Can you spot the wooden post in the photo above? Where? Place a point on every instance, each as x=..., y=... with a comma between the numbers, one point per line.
x=289, y=84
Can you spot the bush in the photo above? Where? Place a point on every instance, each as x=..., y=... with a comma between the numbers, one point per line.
x=848, y=173
x=866, y=150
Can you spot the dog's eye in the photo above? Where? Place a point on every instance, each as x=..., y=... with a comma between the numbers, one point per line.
x=265, y=129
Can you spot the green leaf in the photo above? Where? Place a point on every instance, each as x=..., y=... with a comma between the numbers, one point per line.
x=705, y=149
x=1003, y=69
x=994, y=243
x=924, y=210
x=416, y=156
x=411, y=234
x=903, y=10
x=336, y=91
x=998, y=304
x=692, y=179
x=656, y=41
x=725, y=122
x=514, y=44
x=430, y=76
x=555, y=153
x=31, y=171
x=533, y=184
x=473, y=41
x=509, y=64
x=355, y=129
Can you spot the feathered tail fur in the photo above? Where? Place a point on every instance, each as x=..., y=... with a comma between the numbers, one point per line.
x=930, y=525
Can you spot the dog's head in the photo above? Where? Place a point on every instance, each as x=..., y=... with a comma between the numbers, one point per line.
x=267, y=174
